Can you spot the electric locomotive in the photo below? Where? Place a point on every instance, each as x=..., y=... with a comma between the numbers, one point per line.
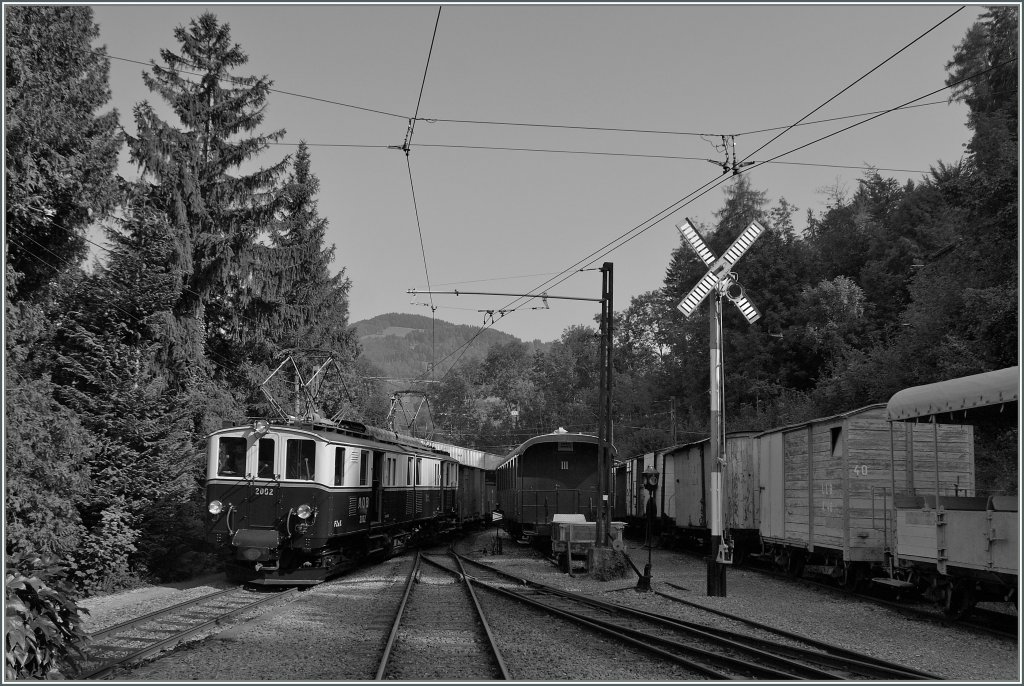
x=296, y=502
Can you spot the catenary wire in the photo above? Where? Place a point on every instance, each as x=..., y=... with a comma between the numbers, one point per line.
x=801, y=147
x=412, y=188
x=707, y=187
x=237, y=80
x=858, y=80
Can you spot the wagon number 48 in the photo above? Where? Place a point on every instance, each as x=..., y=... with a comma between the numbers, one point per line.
x=860, y=470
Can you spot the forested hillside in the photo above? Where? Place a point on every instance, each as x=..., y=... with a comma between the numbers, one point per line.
x=217, y=268
x=407, y=345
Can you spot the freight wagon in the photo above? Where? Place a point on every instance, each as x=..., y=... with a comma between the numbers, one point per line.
x=826, y=485
x=953, y=544
x=683, y=498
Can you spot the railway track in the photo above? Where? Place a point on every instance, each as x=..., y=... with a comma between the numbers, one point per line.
x=137, y=639
x=980, y=620
x=712, y=652
x=440, y=630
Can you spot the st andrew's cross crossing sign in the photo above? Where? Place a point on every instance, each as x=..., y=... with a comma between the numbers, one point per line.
x=719, y=275
x=720, y=279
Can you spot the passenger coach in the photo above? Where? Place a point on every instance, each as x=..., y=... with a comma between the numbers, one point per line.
x=555, y=473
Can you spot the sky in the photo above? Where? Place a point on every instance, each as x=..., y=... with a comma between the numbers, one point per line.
x=464, y=211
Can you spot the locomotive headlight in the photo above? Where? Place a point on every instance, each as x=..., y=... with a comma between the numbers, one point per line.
x=303, y=511
x=215, y=507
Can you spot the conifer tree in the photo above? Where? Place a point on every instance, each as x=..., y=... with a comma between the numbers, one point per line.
x=108, y=374
x=216, y=214
x=60, y=152
x=319, y=301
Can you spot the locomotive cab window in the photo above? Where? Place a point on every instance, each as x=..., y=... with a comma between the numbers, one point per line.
x=339, y=466
x=300, y=461
x=231, y=457
x=265, y=460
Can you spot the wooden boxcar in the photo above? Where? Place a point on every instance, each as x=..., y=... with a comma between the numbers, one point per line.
x=826, y=486
x=683, y=498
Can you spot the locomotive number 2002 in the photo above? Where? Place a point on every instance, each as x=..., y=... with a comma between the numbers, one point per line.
x=264, y=490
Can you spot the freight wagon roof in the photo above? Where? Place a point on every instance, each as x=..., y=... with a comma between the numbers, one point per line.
x=690, y=444
x=965, y=393
x=469, y=456
x=818, y=420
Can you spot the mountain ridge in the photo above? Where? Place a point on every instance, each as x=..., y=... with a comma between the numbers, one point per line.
x=405, y=345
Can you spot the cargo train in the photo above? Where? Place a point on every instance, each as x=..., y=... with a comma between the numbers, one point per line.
x=884, y=494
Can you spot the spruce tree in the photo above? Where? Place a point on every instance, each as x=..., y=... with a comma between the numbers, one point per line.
x=319, y=301
x=216, y=214
x=60, y=151
x=108, y=374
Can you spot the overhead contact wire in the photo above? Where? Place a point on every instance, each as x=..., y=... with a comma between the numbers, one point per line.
x=702, y=190
x=412, y=188
x=874, y=69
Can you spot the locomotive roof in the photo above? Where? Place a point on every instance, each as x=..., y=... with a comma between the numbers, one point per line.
x=351, y=429
x=965, y=393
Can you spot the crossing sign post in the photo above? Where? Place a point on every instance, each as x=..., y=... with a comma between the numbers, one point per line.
x=717, y=282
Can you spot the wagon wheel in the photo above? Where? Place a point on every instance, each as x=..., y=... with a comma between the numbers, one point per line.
x=853, y=577
x=795, y=565
x=959, y=600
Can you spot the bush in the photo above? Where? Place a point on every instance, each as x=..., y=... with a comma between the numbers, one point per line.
x=43, y=629
x=100, y=563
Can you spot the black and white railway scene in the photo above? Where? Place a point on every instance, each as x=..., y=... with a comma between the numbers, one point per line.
x=531, y=343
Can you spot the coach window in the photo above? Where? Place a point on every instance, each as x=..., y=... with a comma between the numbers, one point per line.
x=419, y=471
x=364, y=468
x=339, y=466
x=408, y=471
x=300, y=459
x=265, y=459
x=231, y=457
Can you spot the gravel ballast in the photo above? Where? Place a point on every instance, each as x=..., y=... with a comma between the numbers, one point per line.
x=335, y=631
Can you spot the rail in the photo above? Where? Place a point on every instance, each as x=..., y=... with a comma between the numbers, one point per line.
x=116, y=656
x=716, y=653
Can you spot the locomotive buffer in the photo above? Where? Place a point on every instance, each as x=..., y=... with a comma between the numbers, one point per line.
x=718, y=281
